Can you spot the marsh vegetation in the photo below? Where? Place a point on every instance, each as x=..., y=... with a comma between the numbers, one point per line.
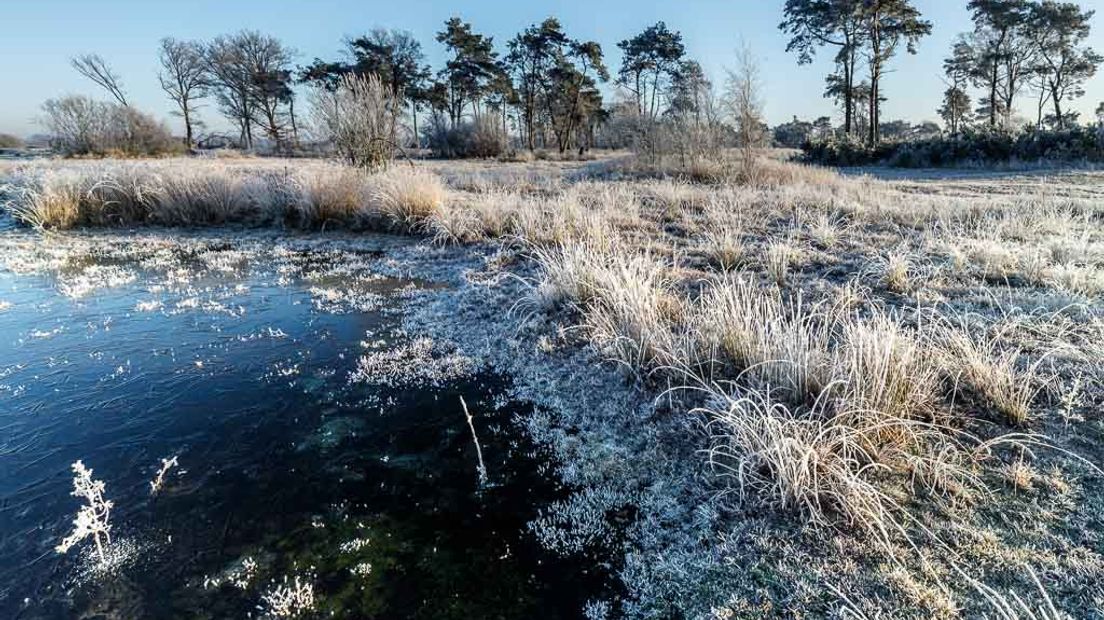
x=879, y=372
x=482, y=342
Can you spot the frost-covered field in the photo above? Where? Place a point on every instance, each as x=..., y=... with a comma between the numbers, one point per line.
x=799, y=395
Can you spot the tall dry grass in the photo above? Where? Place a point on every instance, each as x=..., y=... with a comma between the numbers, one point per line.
x=59, y=196
x=877, y=385
x=820, y=397
x=815, y=408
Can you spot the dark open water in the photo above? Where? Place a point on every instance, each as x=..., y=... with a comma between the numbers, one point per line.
x=236, y=360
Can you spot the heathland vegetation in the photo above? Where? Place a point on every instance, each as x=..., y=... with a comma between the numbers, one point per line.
x=864, y=394
x=895, y=365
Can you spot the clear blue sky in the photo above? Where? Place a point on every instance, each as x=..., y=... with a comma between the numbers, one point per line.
x=39, y=37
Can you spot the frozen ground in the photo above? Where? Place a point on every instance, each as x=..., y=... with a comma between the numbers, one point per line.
x=596, y=292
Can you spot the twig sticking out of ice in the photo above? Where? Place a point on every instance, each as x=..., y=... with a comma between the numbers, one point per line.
x=159, y=480
x=482, y=469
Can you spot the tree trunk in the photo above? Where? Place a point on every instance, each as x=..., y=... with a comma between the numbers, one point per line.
x=187, y=126
x=532, y=124
x=872, y=104
x=993, y=96
x=848, y=100
x=1058, y=118
x=875, y=77
x=639, y=95
x=871, y=112
x=1042, y=104
x=294, y=128
x=849, y=88
x=655, y=89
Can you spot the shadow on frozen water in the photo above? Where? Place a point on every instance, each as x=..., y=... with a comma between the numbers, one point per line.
x=316, y=443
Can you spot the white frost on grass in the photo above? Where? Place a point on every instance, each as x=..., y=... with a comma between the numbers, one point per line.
x=579, y=522
x=148, y=306
x=354, y=545
x=240, y=576
x=289, y=599
x=159, y=481
x=93, y=278
x=210, y=306
x=41, y=334
x=421, y=361
x=92, y=569
x=340, y=301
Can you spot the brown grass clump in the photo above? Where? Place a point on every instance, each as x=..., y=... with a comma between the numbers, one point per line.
x=707, y=171
x=886, y=371
x=772, y=173
x=330, y=196
x=831, y=465
x=1020, y=475
x=206, y=192
x=816, y=465
x=753, y=331
x=896, y=271
x=631, y=310
x=825, y=229
x=991, y=370
x=994, y=604
x=778, y=258
x=409, y=198
x=625, y=299
x=569, y=274
x=1082, y=280
x=211, y=197
x=52, y=200
x=724, y=246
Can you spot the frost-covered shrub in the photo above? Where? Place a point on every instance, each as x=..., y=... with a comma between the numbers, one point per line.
x=82, y=126
x=482, y=138
x=93, y=517
x=971, y=147
x=359, y=118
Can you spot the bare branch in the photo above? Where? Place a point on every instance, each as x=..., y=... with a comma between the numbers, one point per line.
x=95, y=68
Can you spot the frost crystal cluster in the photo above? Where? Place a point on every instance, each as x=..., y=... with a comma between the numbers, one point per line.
x=287, y=599
x=92, y=518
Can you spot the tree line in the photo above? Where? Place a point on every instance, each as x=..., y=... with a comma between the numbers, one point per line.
x=1015, y=45
x=546, y=85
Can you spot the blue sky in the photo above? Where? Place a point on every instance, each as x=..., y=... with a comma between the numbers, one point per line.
x=40, y=36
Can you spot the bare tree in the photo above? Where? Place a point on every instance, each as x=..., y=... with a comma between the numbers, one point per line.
x=251, y=79
x=185, y=78
x=273, y=98
x=745, y=105
x=95, y=68
x=231, y=80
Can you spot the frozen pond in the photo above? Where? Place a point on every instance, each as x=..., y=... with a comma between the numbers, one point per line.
x=316, y=443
